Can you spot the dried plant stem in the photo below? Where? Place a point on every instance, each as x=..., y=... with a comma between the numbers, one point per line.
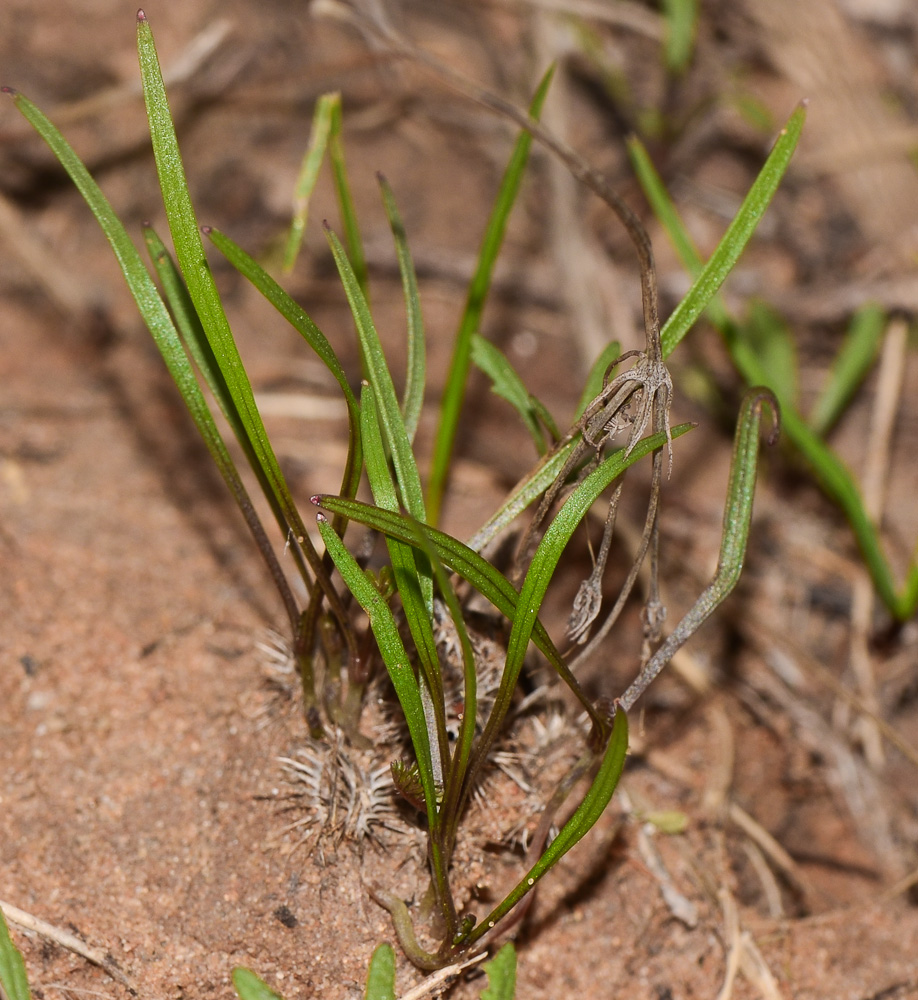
x=66, y=940
x=765, y=637
x=441, y=979
x=876, y=470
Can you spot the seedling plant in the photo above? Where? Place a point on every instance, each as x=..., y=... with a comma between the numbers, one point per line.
x=622, y=419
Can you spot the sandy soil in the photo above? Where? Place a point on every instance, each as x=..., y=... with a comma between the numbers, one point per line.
x=142, y=805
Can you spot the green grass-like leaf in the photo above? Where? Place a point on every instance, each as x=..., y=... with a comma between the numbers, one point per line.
x=352, y=237
x=850, y=367
x=189, y=249
x=413, y=582
x=509, y=386
x=416, y=374
x=457, y=375
x=736, y=237
x=575, y=829
x=13, y=977
x=378, y=375
x=771, y=341
x=156, y=316
x=309, y=175
x=297, y=317
x=395, y=657
x=737, y=520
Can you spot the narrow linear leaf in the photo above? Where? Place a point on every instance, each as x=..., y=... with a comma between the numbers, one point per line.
x=457, y=375
x=189, y=249
x=737, y=520
x=850, y=367
x=379, y=376
x=297, y=317
x=575, y=829
x=736, y=237
x=527, y=490
x=415, y=375
x=308, y=175
x=507, y=384
x=288, y=307
x=346, y=206
x=159, y=323
x=195, y=340
x=409, y=580
x=392, y=650
x=771, y=341
x=453, y=799
x=381, y=974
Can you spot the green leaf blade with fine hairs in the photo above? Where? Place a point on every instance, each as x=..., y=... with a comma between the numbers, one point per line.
x=297, y=317
x=381, y=974
x=454, y=795
x=408, y=580
x=377, y=373
x=415, y=375
x=156, y=317
x=189, y=248
x=575, y=829
x=395, y=658
x=457, y=375
x=287, y=306
x=737, y=520
x=736, y=237
x=197, y=345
